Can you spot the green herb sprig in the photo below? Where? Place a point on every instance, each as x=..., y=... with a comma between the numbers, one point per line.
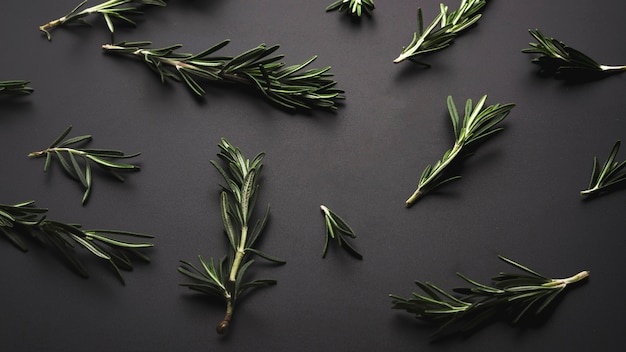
x=555, y=57
x=24, y=219
x=110, y=10
x=287, y=86
x=82, y=172
x=450, y=25
x=337, y=228
x=515, y=295
x=353, y=7
x=15, y=87
x=237, y=200
x=479, y=122
x=610, y=174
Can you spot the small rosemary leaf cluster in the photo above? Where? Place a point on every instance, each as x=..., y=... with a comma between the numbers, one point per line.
x=81, y=172
x=23, y=219
x=354, y=7
x=291, y=87
x=478, y=123
x=513, y=295
x=450, y=25
x=110, y=10
x=556, y=58
x=226, y=280
x=337, y=228
x=609, y=175
x=15, y=87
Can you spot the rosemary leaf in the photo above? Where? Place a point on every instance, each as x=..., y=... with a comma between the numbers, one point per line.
x=291, y=87
x=514, y=296
x=237, y=199
x=109, y=10
x=478, y=123
x=450, y=25
x=15, y=87
x=80, y=158
x=25, y=220
x=610, y=174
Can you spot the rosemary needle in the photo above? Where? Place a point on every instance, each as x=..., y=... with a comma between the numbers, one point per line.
x=338, y=228
x=15, y=87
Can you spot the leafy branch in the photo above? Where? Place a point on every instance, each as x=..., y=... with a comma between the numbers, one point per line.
x=237, y=200
x=450, y=25
x=110, y=10
x=82, y=173
x=336, y=227
x=555, y=57
x=479, y=122
x=15, y=87
x=354, y=7
x=23, y=219
x=287, y=86
x=610, y=174
x=516, y=295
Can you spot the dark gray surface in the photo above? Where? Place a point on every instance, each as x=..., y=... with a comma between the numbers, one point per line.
x=519, y=195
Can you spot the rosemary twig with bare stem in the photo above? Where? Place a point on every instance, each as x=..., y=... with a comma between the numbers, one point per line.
x=226, y=280
x=610, y=174
x=516, y=295
x=24, y=219
x=110, y=10
x=291, y=87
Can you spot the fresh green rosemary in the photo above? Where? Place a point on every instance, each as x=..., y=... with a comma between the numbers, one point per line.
x=110, y=10
x=15, y=87
x=336, y=227
x=82, y=173
x=237, y=200
x=559, y=59
x=515, y=295
x=354, y=7
x=286, y=86
x=451, y=24
x=611, y=173
x=23, y=219
x=478, y=123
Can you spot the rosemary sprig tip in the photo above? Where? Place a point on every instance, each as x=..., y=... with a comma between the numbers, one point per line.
x=610, y=174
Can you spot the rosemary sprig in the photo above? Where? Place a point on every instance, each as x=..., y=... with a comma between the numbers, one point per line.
x=478, y=123
x=555, y=57
x=237, y=201
x=515, y=295
x=110, y=10
x=611, y=173
x=336, y=227
x=451, y=24
x=287, y=86
x=82, y=173
x=15, y=87
x=23, y=219
x=354, y=7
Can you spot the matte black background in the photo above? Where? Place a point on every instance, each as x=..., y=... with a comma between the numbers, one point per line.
x=518, y=196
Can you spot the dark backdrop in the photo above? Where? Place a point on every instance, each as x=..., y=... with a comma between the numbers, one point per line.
x=518, y=196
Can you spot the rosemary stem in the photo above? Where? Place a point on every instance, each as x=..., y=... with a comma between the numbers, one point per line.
x=52, y=150
x=223, y=325
x=239, y=254
x=572, y=279
x=421, y=189
x=608, y=68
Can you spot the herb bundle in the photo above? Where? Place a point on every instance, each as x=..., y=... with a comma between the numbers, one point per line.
x=110, y=10
x=237, y=200
x=555, y=57
x=336, y=227
x=24, y=219
x=15, y=87
x=610, y=174
x=479, y=122
x=82, y=173
x=515, y=295
x=354, y=7
x=451, y=24
x=287, y=86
